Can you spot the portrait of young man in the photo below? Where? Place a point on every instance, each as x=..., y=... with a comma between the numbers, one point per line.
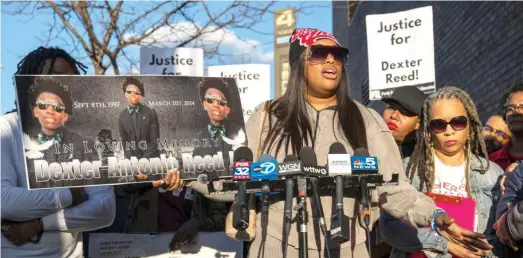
x=221, y=134
x=138, y=122
x=51, y=105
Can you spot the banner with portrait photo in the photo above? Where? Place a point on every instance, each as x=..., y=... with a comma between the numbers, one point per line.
x=104, y=130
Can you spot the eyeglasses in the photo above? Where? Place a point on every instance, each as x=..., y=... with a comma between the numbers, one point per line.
x=514, y=108
x=44, y=104
x=457, y=123
x=210, y=99
x=318, y=54
x=137, y=93
x=498, y=133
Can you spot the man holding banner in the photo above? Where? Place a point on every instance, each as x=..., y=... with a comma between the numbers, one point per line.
x=46, y=222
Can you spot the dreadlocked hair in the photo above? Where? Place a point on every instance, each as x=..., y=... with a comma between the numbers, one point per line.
x=422, y=159
x=34, y=62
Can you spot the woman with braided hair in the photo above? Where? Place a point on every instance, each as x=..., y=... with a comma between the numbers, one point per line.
x=450, y=159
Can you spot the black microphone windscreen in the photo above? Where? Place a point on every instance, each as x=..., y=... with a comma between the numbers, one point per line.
x=337, y=148
x=266, y=157
x=361, y=152
x=308, y=156
x=290, y=158
x=243, y=153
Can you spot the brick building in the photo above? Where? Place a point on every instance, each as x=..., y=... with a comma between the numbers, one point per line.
x=478, y=45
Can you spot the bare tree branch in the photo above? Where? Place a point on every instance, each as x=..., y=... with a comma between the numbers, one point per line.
x=104, y=30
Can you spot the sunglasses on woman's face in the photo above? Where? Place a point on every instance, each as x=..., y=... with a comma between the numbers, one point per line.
x=457, y=123
x=318, y=54
x=44, y=104
x=210, y=99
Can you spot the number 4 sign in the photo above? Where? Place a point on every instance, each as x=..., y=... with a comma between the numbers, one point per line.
x=286, y=18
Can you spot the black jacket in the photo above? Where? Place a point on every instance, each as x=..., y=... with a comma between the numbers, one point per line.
x=148, y=130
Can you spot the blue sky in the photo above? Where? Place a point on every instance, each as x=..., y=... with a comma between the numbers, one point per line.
x=29, y=31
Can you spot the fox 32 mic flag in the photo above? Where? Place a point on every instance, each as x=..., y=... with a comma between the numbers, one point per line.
x=102, y=130
x=253, y=80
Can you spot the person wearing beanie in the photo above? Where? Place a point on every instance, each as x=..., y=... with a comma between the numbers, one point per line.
x=317, y=111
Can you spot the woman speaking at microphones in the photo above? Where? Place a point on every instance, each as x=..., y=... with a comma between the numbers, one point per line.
x=317, y=111
x=451, y=165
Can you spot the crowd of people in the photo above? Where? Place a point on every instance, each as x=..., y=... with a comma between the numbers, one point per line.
x=436, y=143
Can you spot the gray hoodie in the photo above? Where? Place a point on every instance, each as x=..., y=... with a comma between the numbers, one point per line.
x=402, y=201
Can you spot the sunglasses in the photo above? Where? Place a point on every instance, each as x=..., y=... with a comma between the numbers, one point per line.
x=137, y=93
x=457, y=123
x=210, y=99
x=44, y=104
x=318, y=54
x=498, y=133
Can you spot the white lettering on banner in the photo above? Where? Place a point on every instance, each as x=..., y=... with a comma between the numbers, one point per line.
x=115, y=245
x=401, y=51
x=253, y=82
x=171, y=61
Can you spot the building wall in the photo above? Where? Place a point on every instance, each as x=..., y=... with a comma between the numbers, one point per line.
x=478, y=46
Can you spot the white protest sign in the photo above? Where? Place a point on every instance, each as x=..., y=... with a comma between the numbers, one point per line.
x=171, y=61
x=401, y=51
x=253, y=80
x=115, y=245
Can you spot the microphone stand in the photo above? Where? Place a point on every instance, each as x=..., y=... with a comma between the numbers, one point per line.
x=287, y=215
x=265, y=214
x=365, y=206
x=301, y=207
x=319, y=210
x=241, y=212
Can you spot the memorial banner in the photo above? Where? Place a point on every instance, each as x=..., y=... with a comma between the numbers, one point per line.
x=101, y=130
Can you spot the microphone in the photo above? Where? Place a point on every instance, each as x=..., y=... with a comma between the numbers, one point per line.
x=310, y=161
x=241, y=172
x=362, y=164
x=266, y=168
x=339, y=166
x=291, y=165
